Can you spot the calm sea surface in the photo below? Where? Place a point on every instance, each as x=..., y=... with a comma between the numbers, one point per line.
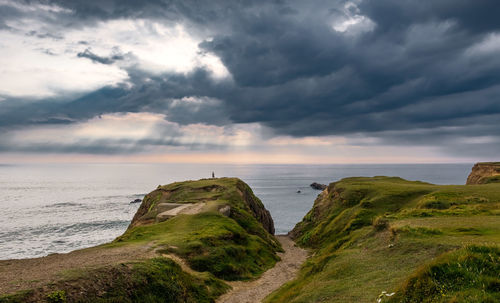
x=63, y=207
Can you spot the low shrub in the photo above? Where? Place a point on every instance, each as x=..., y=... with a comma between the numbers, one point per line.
x=58, y=296
x=380, y=224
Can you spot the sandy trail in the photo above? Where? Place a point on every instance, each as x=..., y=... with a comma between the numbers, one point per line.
x=32, y=273
x=193, y=209
x=282, y=272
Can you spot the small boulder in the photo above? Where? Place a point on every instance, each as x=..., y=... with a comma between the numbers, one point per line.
x=225, y=210
x=162, y=207
x=318, y=186
x=164, y=216
x=136, y=201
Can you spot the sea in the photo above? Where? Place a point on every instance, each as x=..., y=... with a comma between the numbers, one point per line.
x=57, y=208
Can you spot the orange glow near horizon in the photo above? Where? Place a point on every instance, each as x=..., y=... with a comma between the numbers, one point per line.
x=224, y=158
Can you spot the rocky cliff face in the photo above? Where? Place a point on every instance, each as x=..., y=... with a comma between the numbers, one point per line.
x=214, y=226
x=362, y=230
x=485, y=172
x=256, y=206
x=189, y=197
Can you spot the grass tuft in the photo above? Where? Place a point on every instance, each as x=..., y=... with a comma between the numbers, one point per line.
x=470, y=274
x=369, y=236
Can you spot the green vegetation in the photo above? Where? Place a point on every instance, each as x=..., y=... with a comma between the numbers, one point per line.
x=18, y=297
x=209, y=242
x=494, y=179
x=153, y=280
x=235, y=246
x=232, y=248
x=58, y=296
x=471, y=274
x=370, y=235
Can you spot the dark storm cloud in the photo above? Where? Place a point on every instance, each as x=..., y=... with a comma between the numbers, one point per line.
x=158, y=94
x=473, y=16
x=87, y=53
x=414, y=65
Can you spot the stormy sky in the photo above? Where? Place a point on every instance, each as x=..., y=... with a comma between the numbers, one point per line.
x=250, y=81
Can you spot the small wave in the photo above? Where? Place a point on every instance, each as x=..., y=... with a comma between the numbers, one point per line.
x=83, y=227
x=114, y=198
x=27, y=188
x=88, y=226
x=63, y=204
x=14, y=234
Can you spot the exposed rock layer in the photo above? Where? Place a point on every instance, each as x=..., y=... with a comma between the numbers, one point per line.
x=484, y=172
x=258, y=209
x=165, y=200
x=212, y=225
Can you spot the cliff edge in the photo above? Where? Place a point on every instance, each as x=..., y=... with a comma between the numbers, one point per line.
x=484, y=173
x=386, y=239
x=185, y=242
x=222, y=195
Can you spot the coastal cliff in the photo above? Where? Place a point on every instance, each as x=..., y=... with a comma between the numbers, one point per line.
x=386, y=239
x=189, y=197
x=484, y=173
x=185, y=241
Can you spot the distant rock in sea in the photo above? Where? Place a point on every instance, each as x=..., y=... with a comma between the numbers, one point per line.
x=318, y=186
x=136, y=201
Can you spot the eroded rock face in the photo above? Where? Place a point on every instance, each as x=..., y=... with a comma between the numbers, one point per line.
x=258, y=209
x=167, y=201
x=320, y=207
x=225, y=210
x=484, y=172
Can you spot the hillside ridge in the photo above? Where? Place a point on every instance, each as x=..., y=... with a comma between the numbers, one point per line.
x=386, y=239
x=218, y=228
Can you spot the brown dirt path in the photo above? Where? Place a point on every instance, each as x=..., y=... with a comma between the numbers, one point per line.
x=22, y=274
x=282, y=272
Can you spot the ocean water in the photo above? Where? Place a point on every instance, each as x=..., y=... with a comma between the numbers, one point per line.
x=58, y=208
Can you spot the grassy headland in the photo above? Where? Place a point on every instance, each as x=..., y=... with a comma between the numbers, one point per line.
x=224, y=236
x=424, y=242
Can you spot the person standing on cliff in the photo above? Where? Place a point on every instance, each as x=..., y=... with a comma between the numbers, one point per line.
x=213, y=175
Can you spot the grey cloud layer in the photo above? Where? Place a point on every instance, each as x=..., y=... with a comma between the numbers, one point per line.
x=116, y=55
x=415, y=69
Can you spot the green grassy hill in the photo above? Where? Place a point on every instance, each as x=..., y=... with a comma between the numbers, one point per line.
x=213, y=246
x=422, y=242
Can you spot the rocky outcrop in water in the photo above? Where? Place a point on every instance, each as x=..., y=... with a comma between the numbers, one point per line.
x=484, y=172
x=318, y=186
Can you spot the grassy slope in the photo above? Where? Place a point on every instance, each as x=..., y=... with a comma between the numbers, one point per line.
x=231, y=248
x=379, y=234
x=153, y=280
